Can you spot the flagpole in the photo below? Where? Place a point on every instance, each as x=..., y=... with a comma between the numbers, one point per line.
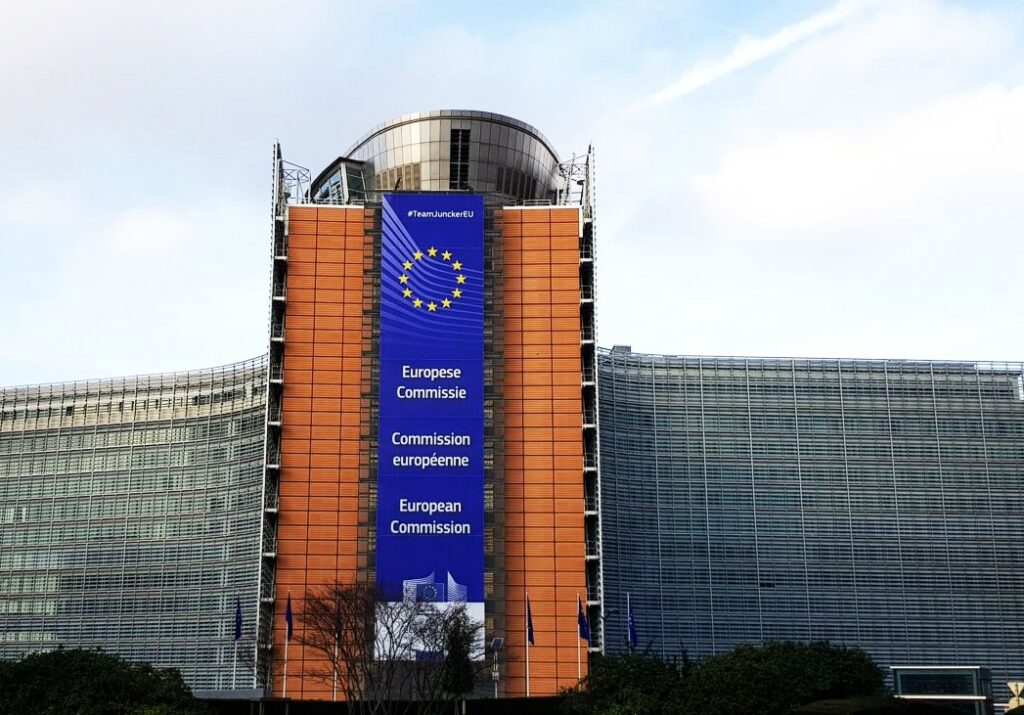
x=579, y=663
x=334, y=685
x=238, y=637
x=527, y=631
x=284, y=689
x=337, y=637
x=287, y=639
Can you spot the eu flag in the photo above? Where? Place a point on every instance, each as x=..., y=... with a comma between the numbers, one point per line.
x=581, y=619
x=238, y=619
x=288, y=616
x=529, y=622
x=631, y=625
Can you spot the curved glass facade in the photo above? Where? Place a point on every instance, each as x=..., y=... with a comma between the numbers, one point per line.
x=130, y=517
x=446, y=150
x=867, y=503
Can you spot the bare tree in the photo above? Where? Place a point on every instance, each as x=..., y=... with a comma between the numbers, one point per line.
x=338, y=624
x=391, y=656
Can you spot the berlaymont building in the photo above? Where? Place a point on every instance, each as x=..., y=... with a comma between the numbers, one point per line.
x=433, y=415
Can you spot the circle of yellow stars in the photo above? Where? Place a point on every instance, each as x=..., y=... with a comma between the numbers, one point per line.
x=431, y=306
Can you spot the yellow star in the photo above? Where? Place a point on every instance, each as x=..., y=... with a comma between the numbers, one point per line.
x=446, y=256
x=406, y=293
x=446, y=303
x=432, y=306
x=418, y=255
x=417, y=303
x=431, y=251
x=460, y=278
x=407, y=265
x=457, y=265
x=403, y=278
x=457, y=293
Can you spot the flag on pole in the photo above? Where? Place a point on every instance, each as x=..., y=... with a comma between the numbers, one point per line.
x=529, y=622
x=581, y=619
x=288, y=616
x=529, y=640
x=631, y=625
x=238, y=619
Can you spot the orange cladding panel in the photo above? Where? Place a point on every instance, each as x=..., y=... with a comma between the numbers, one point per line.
x=318, y=532
x=325, y=433
x=544, y=554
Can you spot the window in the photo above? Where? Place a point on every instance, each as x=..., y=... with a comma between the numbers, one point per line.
x=458, y=169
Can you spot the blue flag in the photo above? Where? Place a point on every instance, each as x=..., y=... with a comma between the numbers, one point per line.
x=581, y=619
x=631, y=626
x=238, y=619
x=529, y=622
x=288, y=616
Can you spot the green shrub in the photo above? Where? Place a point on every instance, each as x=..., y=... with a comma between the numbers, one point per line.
x=92, y=683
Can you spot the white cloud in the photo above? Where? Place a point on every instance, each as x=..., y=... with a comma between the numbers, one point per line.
x=859, y=194
x=150, y=232
x=906, y=54
x=751, y=50
x=151, y=73
x=154, y=288
x=962, y=154
x=37, y=205
x=876, y=120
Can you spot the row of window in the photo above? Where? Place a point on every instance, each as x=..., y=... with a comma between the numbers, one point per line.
x=882, y=450
x=673, y=419
x=193, y=526
x=66, y=412
x=124, y=460
x=199, y=477
x=156, y=554
x=896, y=391
x=134, y=505
x=147, y=433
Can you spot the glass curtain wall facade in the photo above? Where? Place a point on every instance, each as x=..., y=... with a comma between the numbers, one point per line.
x=130, y=517
x=867, y=503
x=445, y=150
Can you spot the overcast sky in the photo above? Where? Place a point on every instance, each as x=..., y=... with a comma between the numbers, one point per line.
x=784, y=178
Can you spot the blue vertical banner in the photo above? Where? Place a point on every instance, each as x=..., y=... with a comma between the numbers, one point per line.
x=430, y=480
